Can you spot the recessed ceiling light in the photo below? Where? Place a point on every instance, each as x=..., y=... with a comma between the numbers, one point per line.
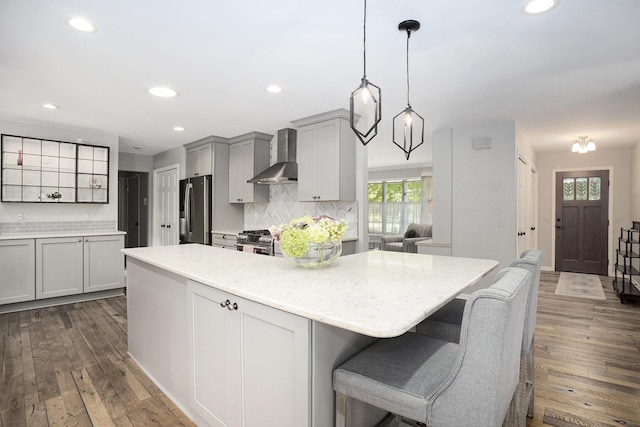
x=274, y=89
x=82, y=24
x=535, y=7
x=178, y=128
x=50, y=106
x=163, y=92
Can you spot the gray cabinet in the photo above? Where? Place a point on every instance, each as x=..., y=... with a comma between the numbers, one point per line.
x=199, y=160
x=251, y=363
x=248, y=156
x=59, y=266
x=103, y=263
x=75, y=265
x=18, y=267
x=326, y=155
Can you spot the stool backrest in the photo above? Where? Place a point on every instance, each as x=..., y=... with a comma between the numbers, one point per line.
x=485, y=375
x=531, y=261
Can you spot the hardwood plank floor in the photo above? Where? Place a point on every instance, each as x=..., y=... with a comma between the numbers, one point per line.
x=587, y=359
x=68, y=365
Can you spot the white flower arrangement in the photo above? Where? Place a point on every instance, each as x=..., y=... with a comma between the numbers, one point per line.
x=295, y=237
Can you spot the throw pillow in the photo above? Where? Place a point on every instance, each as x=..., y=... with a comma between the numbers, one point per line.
x=410, y=234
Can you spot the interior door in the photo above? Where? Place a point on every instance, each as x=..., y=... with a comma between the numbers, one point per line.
x=167, y=207
x=533, y=209
x=582, y=219
x=133, y=211
x=522, y=206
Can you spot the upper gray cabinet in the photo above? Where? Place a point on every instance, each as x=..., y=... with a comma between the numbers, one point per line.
x=248, y=156
x=326, y=158
x=199, y=160
x=40, y=170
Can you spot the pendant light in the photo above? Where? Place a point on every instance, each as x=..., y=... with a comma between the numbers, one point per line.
x=408, y=126
x=366, y=100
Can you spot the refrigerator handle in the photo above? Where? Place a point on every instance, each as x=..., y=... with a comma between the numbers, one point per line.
x=206, y=212
x=187, y=206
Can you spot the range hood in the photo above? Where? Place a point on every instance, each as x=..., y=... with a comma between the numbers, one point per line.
x=285, y=169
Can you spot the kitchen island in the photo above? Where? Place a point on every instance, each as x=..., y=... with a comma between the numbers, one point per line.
x=241, y=339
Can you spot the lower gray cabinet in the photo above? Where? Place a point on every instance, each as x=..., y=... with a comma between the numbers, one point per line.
x=103, y=263
x=59, y=267
x=17, y=264
x=250, y=363
x=73, y=265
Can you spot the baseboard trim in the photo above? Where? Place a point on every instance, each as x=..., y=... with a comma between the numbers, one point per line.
x=51, y=302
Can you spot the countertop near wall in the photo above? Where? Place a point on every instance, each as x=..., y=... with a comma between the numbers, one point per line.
x=17, y=236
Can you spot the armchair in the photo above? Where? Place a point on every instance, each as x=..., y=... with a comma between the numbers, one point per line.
x=407, y=242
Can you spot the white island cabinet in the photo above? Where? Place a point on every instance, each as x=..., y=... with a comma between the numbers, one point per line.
x=238, y=339
x=258, y=356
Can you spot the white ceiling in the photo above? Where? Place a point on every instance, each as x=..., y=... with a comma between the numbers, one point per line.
x=573, y=71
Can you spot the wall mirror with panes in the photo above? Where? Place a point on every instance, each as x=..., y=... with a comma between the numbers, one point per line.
x=47, y=171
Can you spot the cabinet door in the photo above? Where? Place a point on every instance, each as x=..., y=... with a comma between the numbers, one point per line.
x=275, y=351
x=248, y=162
x=307, y=164
x=103, y=263
x=236, y=173
x=204, y=160
x=59, y=267
x=18, y=267
x=214, y=351
x=328, y=160
x=192, y=163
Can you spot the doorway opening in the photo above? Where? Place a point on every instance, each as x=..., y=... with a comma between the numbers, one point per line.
x=582, y=221
x=133, y=207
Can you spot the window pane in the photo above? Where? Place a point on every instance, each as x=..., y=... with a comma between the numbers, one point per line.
x=374, y=192
x=567, y=189
x=581, y=188
x=594, y=188
x=394, y=191
x=375, y=217
x=414, y=191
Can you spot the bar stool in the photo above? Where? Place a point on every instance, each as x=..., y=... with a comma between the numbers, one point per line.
x=443, y=383
x=446, y=323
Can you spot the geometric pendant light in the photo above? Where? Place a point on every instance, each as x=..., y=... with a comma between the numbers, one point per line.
x=366, y=100
x=408, y=126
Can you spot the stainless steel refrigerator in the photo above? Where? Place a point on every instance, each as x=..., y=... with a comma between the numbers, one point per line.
x=195, y=210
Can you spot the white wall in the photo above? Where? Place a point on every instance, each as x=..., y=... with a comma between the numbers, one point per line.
x=484, y=195
x=64, y=211
x=171, y=157
x=132, y=162
x=635, y=182
x=475, y=194
x=376, y=174
x=620, y=190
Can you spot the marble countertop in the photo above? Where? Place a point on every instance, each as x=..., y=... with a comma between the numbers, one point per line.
x=376, y=293
x=16, y=236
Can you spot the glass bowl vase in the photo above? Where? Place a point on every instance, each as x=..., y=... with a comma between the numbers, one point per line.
x=318, y=255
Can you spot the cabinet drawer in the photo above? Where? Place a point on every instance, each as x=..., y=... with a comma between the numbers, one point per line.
x=221, y=239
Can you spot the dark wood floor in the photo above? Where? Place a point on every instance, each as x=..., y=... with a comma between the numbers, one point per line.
x=68, y=365
x=587, y=359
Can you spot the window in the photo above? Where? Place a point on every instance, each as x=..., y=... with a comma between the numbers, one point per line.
x=393, y=205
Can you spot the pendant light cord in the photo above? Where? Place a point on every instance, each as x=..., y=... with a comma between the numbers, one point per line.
x=364, y=41
x=408, y=36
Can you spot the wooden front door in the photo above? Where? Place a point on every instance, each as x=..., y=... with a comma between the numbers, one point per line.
x=582, y=220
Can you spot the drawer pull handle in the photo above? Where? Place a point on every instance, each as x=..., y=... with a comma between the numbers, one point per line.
x=225, y=304
x=232, y=307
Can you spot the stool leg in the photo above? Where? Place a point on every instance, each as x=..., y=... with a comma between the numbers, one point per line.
x=530, y=374
x=343, y=410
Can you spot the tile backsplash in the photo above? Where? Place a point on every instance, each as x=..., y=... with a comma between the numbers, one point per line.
x=34, y=227
x=284, y=205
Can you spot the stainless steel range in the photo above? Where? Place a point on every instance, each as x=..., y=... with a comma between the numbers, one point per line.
x=255, y=241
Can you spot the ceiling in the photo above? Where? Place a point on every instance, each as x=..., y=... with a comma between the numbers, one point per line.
x=572, y=71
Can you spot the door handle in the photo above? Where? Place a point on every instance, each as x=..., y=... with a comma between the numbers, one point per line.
x=162, y=225
x=533, y=229
x=168, y=225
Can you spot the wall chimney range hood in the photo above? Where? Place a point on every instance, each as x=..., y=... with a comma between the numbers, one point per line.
x=285, y=170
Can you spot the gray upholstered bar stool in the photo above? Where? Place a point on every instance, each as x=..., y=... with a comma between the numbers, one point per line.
x=442, y=383
x=445, y=324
